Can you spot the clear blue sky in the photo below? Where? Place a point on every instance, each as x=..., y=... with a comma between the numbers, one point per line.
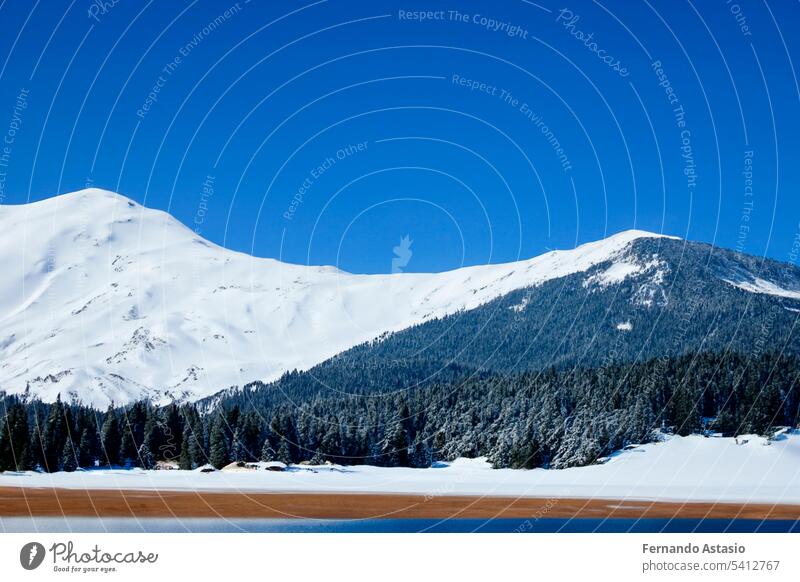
x=487, y=135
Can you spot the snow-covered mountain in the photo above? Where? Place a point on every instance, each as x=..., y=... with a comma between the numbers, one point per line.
x=105, y=300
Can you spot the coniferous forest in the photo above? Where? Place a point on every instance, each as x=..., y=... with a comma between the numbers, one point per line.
x=514, y=380
x=555, y=418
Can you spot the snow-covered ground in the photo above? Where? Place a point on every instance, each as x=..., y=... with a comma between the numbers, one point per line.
x=690, y=468
x=759, y=285
x=103, y=299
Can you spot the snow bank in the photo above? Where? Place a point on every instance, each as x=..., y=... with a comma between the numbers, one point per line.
x=765, y=288
x=690, y=468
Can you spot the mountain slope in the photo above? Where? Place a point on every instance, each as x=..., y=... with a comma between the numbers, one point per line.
x=675, y=298
x=105, y=300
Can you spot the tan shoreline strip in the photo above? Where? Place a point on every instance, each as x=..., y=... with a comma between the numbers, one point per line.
x=24, y=502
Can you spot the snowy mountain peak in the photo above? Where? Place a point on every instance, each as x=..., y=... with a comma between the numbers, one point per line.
x=91, y=205
x=107, y=300
x=93, y=195
x=633, y=234
x=69, y=199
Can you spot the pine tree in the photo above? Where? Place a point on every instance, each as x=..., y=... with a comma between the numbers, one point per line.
x=69, y=459
x=284, y=452
x=219, y=452
x=192, y=451
x=15, y=453
x=171, y=429
x=724, y=422
x=579, y=446
x=251, y=436
x=151, y=441
x=503, y=452
x=87, y=447
x=6, y=452
x=318, y=458
x=186, y=462
x=331, y=445
x=395, y=446
x=110, y=437
x=685, y=410
x=237, y=447
x=641, y=423
x=267, y=452
x=37, y=436
x=127, y=448
x=55, y=433
x=421, y=456
x=28, y=458
x=145, y=456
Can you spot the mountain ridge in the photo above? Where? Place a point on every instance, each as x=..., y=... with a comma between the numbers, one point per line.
x=682, y=305
x=112, y=301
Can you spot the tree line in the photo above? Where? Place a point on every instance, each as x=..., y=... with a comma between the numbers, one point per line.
x=553, y=418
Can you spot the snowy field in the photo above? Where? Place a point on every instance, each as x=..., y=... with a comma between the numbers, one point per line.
x=690, y=468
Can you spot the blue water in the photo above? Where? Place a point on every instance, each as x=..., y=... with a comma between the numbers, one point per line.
x=212, y=525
